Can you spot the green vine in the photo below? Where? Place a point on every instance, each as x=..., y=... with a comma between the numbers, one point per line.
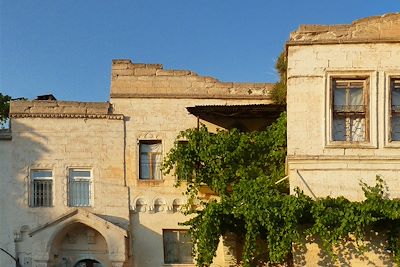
x=245, y=171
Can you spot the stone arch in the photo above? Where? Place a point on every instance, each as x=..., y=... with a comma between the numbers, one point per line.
x=47, y=238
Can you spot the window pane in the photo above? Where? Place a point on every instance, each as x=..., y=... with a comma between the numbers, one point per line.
x=150, y=157
x=42, y=193
x=339, y=129
x=80, y=173
x=156, y=166
x=41, y=174
x=396, y=98
x=357, y=129
x=396, y=128
x=356, y=97
x=79, y=187
x=339, y=97
x=144, y=166
x=177, y=247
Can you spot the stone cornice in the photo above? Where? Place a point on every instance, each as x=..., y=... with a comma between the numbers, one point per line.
x=68, y=115
x=191, y=96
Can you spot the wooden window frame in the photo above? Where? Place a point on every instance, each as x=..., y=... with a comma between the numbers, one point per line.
x=348, y=114
x=151, y=161
x=184, y=231
x=391, y=87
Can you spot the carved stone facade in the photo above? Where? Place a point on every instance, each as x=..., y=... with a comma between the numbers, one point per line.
x=72, y=191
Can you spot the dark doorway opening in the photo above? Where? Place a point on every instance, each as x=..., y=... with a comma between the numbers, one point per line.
x=88, y=263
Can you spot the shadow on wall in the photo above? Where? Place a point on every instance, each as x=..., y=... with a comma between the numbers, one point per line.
x=373, y=253
x=121, y=222
x=18, y=154
x=148, y=242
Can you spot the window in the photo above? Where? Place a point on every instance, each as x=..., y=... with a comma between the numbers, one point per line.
x=349, y=110
x=79, y=187
x=395, y=109
x=150, y=160
x=41, y=188
x=177, y=247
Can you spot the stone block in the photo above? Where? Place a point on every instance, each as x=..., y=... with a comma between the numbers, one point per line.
x=161, y=72
x=145, y=71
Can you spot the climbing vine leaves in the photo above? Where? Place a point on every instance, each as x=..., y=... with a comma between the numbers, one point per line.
x=245, y=171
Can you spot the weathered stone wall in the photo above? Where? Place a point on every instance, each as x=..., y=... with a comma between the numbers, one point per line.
x=375, y=29
x=58, y=136
x=152, y=81
x=369, y=48
x=154, y=103
x=336, y=170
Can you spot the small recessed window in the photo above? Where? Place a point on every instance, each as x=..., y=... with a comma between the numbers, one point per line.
x=150, y=157
x=41, y=188
x=79, y=187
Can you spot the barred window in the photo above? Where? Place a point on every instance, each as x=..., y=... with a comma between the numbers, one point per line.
x=395, y=109
x=350, y=101
x=150, y=160
x=177, y=247
x=41, y=188
x=79, y=187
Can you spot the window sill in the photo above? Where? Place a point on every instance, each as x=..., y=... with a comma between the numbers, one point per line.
x=149, y=182
x=392, y=144
x=179, y=264
x=350, y=145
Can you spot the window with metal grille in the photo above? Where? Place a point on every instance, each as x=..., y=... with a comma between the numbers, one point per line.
x=150, y=160
x=41, y=188
x=79, y=187
x=177, y=247
x=349, y=108
x=395, y=109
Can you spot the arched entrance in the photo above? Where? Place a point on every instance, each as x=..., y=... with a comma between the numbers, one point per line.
x=88, y=263
x=79, y=237
x=79, y=245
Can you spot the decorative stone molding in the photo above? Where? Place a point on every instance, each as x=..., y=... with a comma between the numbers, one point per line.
x=66, y=115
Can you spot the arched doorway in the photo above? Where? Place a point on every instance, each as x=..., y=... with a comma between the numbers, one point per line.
x=88, y=263
x=79, y=245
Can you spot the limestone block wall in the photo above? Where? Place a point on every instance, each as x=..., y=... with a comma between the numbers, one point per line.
x=368, y=49
x=154, y=101
x=316, y=164
x=59, y=136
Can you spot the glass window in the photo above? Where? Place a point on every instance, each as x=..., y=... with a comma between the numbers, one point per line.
x=349, y=110
x=395, y=109
x=79, y=187
x=41, y=188
x=177, y=247
x=150, y=160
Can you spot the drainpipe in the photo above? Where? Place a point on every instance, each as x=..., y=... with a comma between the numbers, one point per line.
x=17, y=264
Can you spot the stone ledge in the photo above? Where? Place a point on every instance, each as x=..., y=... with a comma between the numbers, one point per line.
x=67, y=115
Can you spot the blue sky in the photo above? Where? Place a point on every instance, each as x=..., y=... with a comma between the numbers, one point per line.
x=66, y=47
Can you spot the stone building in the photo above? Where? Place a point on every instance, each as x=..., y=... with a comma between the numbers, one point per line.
x=80, y=183
x=343, y=104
